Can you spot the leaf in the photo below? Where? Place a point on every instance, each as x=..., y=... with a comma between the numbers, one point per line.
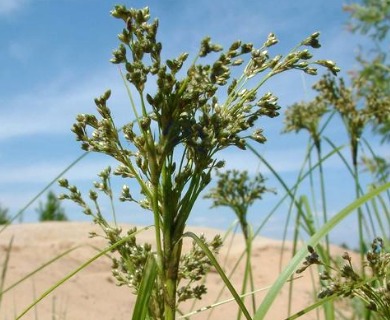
x=145, y=289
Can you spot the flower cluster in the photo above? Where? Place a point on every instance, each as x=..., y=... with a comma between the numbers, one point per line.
x=237, y=191
x=305, y=116
x=348, y=104
x=373, y=290
x=194, y=265
x=170, y=146
x=187, y=111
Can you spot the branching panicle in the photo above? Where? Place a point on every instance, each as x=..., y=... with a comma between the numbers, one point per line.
x=372, y=290
x=170, y=147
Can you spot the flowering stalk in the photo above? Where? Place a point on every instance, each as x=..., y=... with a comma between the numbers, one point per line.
x=235, y=190
x=179, y=129
x=345, y=281
x=356, y=110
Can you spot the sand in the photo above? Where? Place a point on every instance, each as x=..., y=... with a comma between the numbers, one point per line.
x=93, y=294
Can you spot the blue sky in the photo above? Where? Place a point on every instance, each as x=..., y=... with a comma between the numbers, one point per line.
x=54, y=60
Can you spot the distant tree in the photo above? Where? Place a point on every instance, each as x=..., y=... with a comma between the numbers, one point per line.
x=51, y=210
x=4, y=218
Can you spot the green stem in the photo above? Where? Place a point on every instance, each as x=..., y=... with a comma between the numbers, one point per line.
x=248, y=275
x=172, y=258
x=156, y=216
x=360, y=218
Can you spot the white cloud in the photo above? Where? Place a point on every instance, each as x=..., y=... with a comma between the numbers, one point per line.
x=44, y=172
x=51, y=108
x=11, y=6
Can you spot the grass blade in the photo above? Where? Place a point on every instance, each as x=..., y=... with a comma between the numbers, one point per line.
x=47, y=263
x=144, y=292
x=312, y=307
x=74, y=272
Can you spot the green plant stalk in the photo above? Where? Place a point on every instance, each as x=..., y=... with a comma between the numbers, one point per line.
x=316, y=305
x=385, y=209
x=323, y=193
x=169, y=258
x=328, y=306
x=250, y=271
x=159, y=244
x=235, y=225
x=378, y=216
x=313, y=241
x=329, y=311
x=360, y=221
x=294, y=250
x=248, y=275
x=310, y=230
x=352, y=170
x=172, y=257
x=310, y=227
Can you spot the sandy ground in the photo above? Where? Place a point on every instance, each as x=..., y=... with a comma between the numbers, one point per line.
x=92, y=292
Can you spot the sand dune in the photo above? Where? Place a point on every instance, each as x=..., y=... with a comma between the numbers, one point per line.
x=92, y=293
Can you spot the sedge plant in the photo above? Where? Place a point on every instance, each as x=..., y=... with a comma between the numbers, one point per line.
x=344, y=281
x=358, y=106
x=237, y=191
x=171, y=146
x=356, y=111
x=307, y=116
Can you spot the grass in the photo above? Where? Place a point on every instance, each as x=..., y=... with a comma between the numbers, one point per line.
x=175, y=138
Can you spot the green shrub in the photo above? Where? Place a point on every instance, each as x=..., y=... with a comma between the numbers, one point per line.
x=51, y=210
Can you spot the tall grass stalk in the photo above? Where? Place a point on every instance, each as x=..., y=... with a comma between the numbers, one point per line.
x=178, y=133
x=238, y=192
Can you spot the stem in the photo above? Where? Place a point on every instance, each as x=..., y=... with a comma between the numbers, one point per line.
x=172, y=250
x=328, y=306
x=360, y=218
x=248, y=275
x=323, y=195
x=172, y=258
x=156, y=216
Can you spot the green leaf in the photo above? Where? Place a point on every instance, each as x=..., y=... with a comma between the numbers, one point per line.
x=144, y=292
